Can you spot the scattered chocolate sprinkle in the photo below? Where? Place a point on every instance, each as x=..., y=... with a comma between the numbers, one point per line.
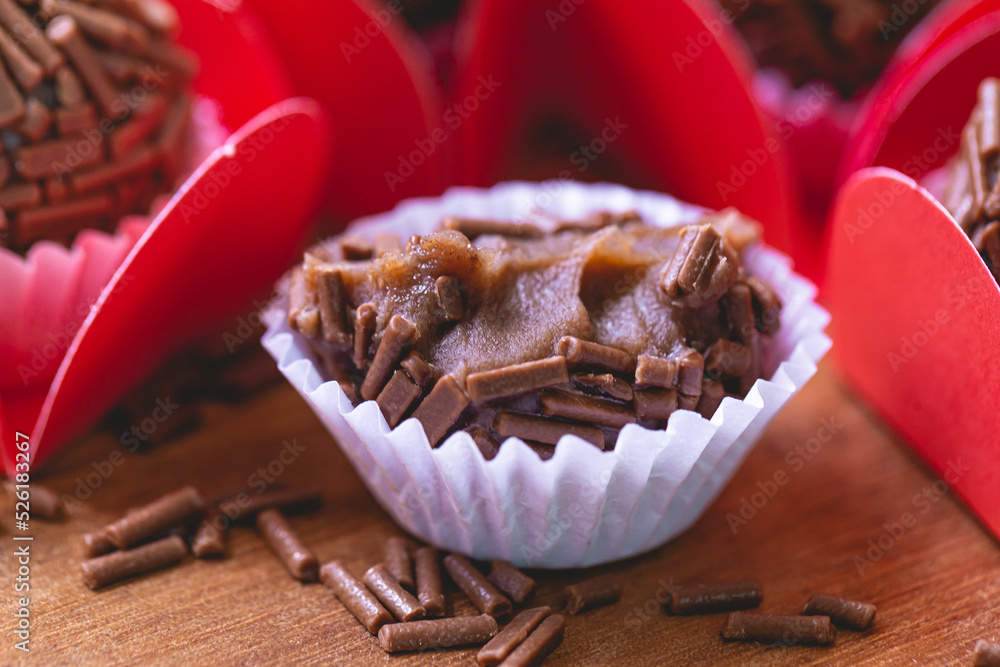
x=842, y=612
x=789, y=630
x=655, y=404
x=355, y=247
x=437, y=633
x=397, y=338
x=517, y=379
x=727, y=358
x=690, y=370
x=107, y=569
x=545, y=639
x=516, y=584
x=487, y=444
x=396, y=599
x=97, y=544
x=441, y=408
x=656, y=371
x=396, y=397
x=430, y=591
x=354, y=596
x=332, y=305
x=766, y=305
x=474, y=584
x=585, y=353
x=418, y=370
x=606, y=383
x=593, y=593
x=45, y=503
x=713, y=598
x=449, y=297
x=397, y=561
x=297, y=558
x=386, y=242
x=513, y=634
x=168, y=511
x=210, y=539
x=571, y=405
x=364, y=330
x=712, y=393
x=547, y=431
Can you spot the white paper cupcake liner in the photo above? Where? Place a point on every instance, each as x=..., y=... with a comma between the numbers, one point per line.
x=47, y=294
x=583, y=506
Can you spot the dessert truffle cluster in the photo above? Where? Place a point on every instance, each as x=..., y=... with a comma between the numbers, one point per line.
x=973, y=193
x=508, y=330
x=94, y=113
x=845, y=42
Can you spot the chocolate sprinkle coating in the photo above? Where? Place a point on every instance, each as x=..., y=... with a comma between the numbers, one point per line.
x=84, y=149
x=537, y=335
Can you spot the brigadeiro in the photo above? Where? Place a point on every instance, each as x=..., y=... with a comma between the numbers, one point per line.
x=549, y=374
x=95, y=108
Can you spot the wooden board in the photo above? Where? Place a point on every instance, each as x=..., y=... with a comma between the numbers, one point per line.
x=936, y=582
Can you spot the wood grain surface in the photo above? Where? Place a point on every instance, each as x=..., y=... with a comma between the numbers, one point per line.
x=856, y=515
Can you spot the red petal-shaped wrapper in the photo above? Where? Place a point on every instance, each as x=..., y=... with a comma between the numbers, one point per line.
x=669, y=70
x=230, y=231
x=916, y=326
x=239, y=63
x=912, y=120
x=371, y=73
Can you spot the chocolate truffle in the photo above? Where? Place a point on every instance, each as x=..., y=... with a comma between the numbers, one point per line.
x=95, y=107
x=972, y=195
x=845, y=42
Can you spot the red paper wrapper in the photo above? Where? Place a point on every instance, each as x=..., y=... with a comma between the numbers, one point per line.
x=54, y=293
x=639, y=88
x=916, y=310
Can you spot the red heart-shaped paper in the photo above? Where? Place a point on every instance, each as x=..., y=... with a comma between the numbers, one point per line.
x=912, y=120
x=239, y=64
x=916, y=324
x=375, y=78
x=223, y=239
x=660, y=86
